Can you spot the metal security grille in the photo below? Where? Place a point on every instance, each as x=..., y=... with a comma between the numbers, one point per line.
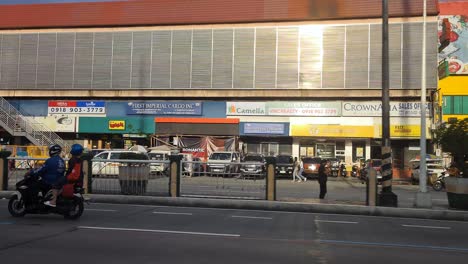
x=290, y=57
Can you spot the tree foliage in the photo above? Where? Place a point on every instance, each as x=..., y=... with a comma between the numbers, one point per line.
x=453, y=137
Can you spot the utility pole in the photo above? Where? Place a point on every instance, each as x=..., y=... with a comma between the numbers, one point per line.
x=386, y=197
x=423, y=198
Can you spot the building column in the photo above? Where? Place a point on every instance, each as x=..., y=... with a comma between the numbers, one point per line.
x=368, y=149
x=348, y=151
x=295, y=147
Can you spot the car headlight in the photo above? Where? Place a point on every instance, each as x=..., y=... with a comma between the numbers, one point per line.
x=313, y=167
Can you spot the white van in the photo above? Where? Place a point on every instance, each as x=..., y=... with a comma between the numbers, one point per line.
x=102, y=167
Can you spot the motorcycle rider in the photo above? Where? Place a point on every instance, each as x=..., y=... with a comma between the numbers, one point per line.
x=53, y=173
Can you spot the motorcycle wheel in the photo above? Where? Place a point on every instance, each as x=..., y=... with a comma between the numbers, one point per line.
x=438, y=186
x=16, y=206
x=76, y=209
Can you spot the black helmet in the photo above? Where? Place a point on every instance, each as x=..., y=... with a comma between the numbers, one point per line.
x=55, y=150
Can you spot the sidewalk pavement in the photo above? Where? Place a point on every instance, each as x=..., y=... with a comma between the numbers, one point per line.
x=313, y=206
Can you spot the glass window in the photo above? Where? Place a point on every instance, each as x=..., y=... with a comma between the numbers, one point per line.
x=101, y=156
x=115, y=155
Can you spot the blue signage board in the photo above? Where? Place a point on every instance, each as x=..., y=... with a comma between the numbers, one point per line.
x=164, y=108
x=264, y=128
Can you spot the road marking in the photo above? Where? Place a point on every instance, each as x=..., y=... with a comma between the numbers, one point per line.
x=432, y=227
x=172, y=213
x=251, y=217
x=393, y=245
x=100, y=210
x=337, y=222
x=157, y=231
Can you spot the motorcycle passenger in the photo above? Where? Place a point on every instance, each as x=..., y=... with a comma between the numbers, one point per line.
x=53, y=173
x=76, y=151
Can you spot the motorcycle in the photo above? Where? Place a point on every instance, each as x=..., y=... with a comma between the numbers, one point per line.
x=354, y=171
x=31, y=193
x=439, y=184
x=343, y=170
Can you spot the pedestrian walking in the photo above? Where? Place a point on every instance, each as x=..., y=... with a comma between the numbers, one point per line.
x=296, y=169
x=324, y=172
x=301, y=170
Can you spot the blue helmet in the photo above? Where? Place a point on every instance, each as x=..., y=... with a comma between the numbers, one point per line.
x=76, y=149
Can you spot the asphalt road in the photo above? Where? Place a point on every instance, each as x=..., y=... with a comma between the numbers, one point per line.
x=150, y=234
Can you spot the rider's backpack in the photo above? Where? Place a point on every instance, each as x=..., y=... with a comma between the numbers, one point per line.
x=75, y=174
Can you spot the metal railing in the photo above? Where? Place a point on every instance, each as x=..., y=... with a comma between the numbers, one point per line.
x=151, y=177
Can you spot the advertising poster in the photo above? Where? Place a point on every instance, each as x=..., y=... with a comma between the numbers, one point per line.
x=453, y=41
x=80, y=108
x=56, y=123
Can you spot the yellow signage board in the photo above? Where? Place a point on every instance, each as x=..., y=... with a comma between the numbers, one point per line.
x=116, y=124
x=404, y=131
x=310, y=130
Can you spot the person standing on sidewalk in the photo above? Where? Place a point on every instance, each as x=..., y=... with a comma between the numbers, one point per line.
x=296, y=169
x=323, y=177
x=301, y=170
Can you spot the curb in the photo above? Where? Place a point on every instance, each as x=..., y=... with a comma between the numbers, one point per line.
x=278, y=206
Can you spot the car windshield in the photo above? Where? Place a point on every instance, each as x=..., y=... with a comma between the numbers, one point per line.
x=284, y=159
x=220, y=156
x=311, y=160
x=253, y=158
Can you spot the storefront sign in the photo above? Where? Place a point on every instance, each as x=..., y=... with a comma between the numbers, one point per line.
x=264, y=128
x=245, y=108
x=57, y=123
x=164, y=108
x=304, y=108
x=284, y=108
x=116, y=125
x=374, y=108
x=81, y=108
x=310, y=130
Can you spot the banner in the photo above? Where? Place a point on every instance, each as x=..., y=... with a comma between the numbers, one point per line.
x=284, y=108
x=453, y=39
x=116, y=124
x=374, y=108
x=164, y=108
x=81, y=108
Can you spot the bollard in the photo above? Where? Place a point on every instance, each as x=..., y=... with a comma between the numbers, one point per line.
x=87, y=168
x=4, y=169
x=174, y=175
x=371, y=187
x=270, y=179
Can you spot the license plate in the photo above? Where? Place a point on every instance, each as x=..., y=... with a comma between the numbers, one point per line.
x=282, y=171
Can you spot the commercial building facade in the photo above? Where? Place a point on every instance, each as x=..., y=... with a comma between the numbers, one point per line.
x=309, y=79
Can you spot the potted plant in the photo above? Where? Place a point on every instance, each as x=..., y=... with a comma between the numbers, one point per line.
x=453, y=137
x=133, y=176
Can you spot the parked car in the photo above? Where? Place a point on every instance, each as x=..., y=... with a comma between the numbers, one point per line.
x=253, y=166
x=311, y=166
x=433, y=166
x=284, y=165
x=162, y=157
x=191, y=166
x=103, y=167
x=224, y=163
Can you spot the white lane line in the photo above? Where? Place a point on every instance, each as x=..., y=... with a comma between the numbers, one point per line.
x=251, y=217
x=337, y=222
x=100, y=210
x=172, y=213
x=158, y=231
x=432, y=227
